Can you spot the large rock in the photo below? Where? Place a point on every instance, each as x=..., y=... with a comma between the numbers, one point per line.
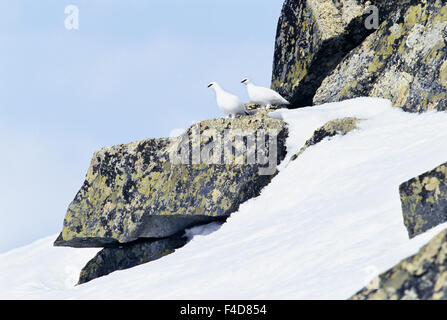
x=313, y=36
x=404, y=61
x=129, y=255
x=424, y=201
x=158, y=187
x=422, y=276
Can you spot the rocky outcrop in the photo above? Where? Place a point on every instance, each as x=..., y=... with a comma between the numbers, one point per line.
x=129, y=255
x=330, y=129
x=156, y=188
x=405, y=61
x=313, y=37
x=424, y=201
x=422, y=276
x=138, y=199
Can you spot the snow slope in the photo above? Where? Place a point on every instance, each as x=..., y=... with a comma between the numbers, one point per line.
x=326, y=225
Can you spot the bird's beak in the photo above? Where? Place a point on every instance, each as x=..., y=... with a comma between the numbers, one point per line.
x=243, y=81
x=209, y=85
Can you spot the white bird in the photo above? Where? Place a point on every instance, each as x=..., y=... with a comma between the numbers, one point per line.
x=230, y=104
x=264, y=96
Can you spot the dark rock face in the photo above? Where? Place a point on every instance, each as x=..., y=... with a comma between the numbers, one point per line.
x=405, y=61
x=324, y=53
x=422, y=276
x=158, y=187
x=313, y=37
x=129, y=255
x=330, y=129
x=424, y=201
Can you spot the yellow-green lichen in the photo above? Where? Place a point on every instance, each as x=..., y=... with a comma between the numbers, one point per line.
x=443, y=74
x=127, y=185
x=394, y=62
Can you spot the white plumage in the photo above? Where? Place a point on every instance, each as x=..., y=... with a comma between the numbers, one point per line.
x=264, y=96
x=230, y=104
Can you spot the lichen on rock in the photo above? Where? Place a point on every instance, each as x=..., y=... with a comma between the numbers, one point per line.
x=313, y=36
x=404, y=61
x=424, y=201
x=422, y=276
x=332, y=128
x=156, y=188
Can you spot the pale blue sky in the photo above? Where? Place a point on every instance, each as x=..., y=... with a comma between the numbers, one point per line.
x=135, y=69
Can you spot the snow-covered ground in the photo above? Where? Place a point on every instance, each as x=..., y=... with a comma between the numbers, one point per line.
x=326, y=225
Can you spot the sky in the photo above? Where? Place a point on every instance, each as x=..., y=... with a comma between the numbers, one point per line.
x=134, y=69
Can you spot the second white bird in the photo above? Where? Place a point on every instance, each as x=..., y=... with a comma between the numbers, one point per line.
x=264, y=96
x=230, y=104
